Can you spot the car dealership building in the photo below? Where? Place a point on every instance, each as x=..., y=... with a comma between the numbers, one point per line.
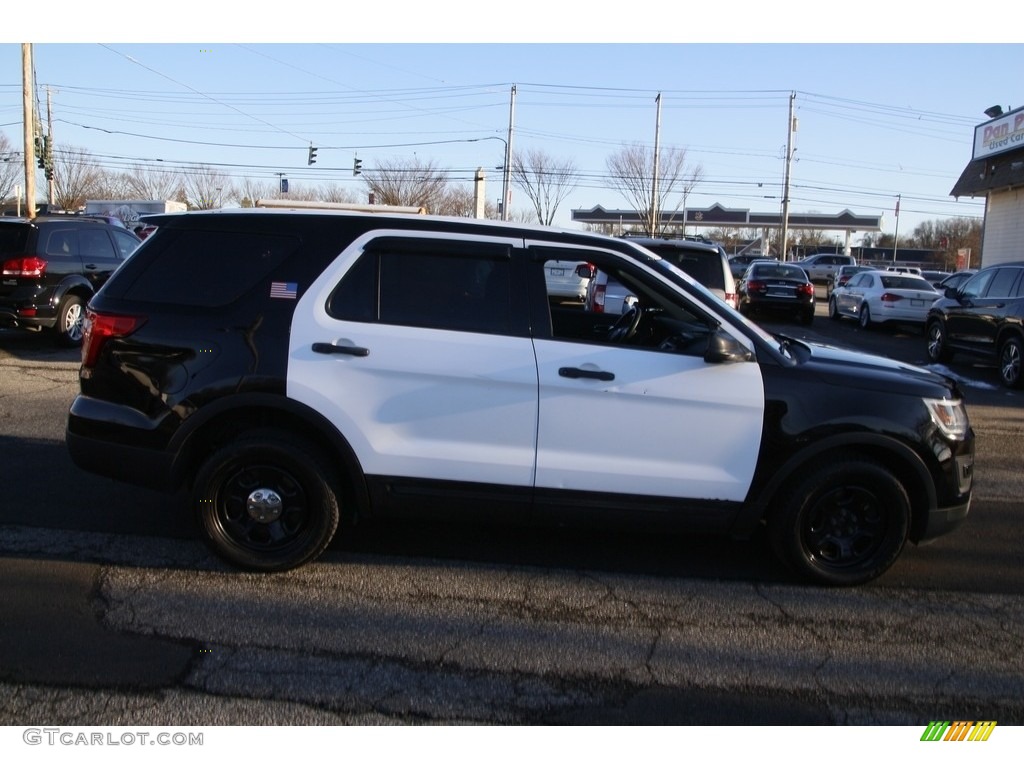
x=996, y=171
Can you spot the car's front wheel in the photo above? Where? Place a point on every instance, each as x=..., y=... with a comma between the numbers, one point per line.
x=1010, y=353
x=833, y=308
x=845, y=523
x=267, y=501
x=935, y=332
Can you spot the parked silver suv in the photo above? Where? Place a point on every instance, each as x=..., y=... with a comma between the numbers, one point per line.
x=822, y=267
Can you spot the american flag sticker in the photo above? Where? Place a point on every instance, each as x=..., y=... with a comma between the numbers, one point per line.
x=284, y=290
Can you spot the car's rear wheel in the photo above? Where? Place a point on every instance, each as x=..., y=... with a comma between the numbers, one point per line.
x=865, y=316
x=70, y=315
x=1010, y=353
x=807, y=317
x=266, y=501
x=845, y=523
x=935, y=332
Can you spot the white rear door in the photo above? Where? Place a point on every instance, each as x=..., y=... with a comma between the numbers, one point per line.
x=429, y=381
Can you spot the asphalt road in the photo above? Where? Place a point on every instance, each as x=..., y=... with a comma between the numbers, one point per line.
x=115, y=614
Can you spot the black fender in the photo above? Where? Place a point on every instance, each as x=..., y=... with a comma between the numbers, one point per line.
x=225, y=417
x=905, y=462
x=73, y=284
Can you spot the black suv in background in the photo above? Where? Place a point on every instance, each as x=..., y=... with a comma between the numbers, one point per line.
x=51, y=266
x=983, y=317
x=301, y=370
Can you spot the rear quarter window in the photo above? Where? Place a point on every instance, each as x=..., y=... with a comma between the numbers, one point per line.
x=14, y=238
x=202, y=268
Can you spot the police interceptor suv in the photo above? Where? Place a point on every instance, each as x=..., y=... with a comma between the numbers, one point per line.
x=301, y=370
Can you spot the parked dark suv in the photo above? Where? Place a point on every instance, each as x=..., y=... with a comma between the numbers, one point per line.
x=297, y=370
x=983, y=317
x=51, y=266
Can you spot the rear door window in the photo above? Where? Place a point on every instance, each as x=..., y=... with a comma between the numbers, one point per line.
x=1002, y=284
x=454, y=286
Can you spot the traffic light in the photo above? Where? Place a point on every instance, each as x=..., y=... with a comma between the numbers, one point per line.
x=42, y=145
x=312, y=155
x=357, y=167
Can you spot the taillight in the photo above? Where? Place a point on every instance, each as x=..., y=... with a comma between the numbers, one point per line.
x=98, y=327
x=806, y=289
x=599, y=298
x=756, y=286
x=890, y=297
x=731, y=299
x=24, y=266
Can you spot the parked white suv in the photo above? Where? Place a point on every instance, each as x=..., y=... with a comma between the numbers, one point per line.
x=706, y=263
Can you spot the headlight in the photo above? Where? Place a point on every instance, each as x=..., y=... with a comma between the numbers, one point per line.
x=949, y=416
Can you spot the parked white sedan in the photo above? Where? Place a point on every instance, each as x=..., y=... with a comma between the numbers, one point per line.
x=879, y=296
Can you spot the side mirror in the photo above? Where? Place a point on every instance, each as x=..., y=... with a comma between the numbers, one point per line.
x=723, y=348
x=586, y=271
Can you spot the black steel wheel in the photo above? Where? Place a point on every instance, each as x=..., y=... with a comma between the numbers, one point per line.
x=938, y=352
x=1010, y=353
x=70, y=315
x=267, y=502
x=844, y=523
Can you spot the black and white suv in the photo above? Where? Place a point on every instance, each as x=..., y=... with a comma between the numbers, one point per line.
x=297, y=369
x=51, y=266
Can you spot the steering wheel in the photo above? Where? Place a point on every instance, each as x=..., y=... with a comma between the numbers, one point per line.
x=626, y=326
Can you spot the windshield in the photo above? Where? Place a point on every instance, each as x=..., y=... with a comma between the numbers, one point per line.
x=752, y=330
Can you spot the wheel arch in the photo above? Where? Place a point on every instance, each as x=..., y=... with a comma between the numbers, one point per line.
x=74, y=285
x=908, y=467
x=218, y=423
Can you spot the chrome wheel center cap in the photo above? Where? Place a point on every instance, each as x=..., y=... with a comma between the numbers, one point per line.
x=264, y=505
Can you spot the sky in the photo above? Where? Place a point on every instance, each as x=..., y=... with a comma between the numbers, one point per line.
x=877, y=117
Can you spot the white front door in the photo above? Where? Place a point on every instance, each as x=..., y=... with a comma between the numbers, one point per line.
x=666, y=425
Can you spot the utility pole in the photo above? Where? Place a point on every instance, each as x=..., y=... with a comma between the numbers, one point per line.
x=896, y=235
x=655, y=208
x=51, y=191
x=785, y=186
x=29, y=130
x=506, y=192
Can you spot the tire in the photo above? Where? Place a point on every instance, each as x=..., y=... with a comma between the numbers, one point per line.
x=845, y=523
x=70, y=315
x=865, y=317
x=266, y=501
x=833, y=309
x=935, y=333
x=806, y=318
x=1010, y=361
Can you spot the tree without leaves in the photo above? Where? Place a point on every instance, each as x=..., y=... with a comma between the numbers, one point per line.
x=206, y=188
x=12, y=168
x=545, y=180
x=632, y=174
x=401, y=182
x=76, y=178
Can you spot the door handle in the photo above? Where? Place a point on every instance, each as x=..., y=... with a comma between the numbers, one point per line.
x=325, y=348
x=579, y=373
